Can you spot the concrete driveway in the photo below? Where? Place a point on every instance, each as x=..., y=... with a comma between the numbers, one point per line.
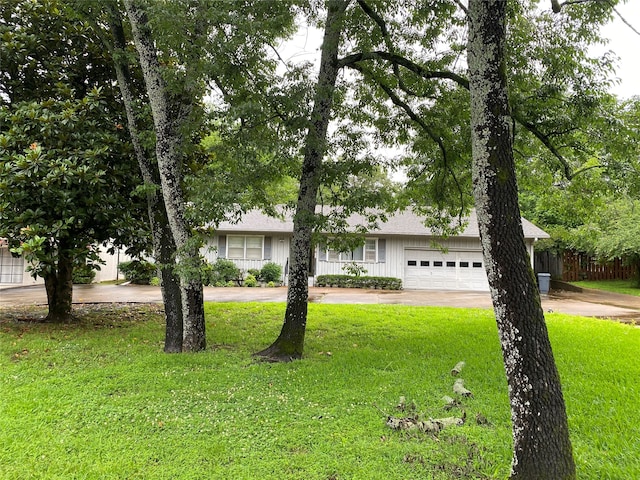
x=589, y=303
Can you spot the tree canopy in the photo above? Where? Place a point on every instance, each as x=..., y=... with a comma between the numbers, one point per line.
x=66, y=181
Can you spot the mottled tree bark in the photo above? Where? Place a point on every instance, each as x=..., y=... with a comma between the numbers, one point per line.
x=163, y=244
x=542, y=449
x=170, y=114
x=59, y=287
x=290, y=343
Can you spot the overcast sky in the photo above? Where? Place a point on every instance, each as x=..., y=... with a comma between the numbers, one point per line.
x=626, y=44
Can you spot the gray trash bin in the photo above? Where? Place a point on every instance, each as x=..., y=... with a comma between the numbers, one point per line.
x=544, y=280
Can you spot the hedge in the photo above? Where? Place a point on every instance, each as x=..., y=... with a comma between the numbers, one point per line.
x=351, y=281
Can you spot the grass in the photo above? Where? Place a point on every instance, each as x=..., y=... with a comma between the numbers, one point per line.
x=628, y=287
x=99, y=399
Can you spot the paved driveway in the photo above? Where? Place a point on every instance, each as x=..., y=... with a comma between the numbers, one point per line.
x=589, y=303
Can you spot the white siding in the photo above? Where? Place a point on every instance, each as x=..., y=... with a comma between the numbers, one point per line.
x=109, y=271
x=458, y=249
x=279, y=253
x=13, y=270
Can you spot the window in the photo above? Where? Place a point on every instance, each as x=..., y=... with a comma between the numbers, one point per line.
x=244, y=247
x=424, y=263
x=412, y=263
x=464, y=264
x=437, y=263
x=451, y=264
x=370, y=250
x=366, y=253
x=477, y=264
x=11, y=268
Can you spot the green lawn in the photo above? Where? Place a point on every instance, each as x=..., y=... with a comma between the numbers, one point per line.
x=99, y=399
x=629, y=287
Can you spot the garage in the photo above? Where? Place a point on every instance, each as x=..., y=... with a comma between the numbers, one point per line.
x=436, y=270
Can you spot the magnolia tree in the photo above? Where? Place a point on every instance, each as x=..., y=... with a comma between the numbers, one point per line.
x=65, y=186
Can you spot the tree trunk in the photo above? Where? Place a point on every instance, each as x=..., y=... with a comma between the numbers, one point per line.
x=542, y=449
x=290, y=343
x=169, y=116
x=165, y=249
x=163, y=244
x=59, y=287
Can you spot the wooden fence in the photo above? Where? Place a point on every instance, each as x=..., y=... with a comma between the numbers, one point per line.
x=573, y=266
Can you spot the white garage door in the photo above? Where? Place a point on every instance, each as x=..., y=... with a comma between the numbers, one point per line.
x=435, y=270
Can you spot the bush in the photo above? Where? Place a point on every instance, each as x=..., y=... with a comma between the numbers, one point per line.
x=255, y=272
x=351, y=281
x=139, y=272
x=250, y=281
x=271, y=272
x=83, y=274
x=221, y=272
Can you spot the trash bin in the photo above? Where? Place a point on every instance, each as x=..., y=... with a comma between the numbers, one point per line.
x=544, y=280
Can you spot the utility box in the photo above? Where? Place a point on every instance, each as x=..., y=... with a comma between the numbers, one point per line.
x=544, y=280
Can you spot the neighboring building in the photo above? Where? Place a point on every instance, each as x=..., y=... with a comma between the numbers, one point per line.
x=402, y=248
x=13, y=269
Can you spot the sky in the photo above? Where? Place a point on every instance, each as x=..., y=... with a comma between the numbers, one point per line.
x=626, y=44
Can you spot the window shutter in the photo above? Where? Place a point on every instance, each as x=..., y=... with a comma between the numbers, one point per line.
x=382, y=250
x=222, y=246
x=267, y=248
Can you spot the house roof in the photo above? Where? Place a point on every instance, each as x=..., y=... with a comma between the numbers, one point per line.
x=405, y=223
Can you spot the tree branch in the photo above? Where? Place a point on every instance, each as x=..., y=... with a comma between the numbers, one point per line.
x=462, y=7
x=349, y=60
x=419, y=121
x=352, y=60
x=556, y=7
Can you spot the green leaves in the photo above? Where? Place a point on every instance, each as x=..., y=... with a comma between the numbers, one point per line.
x=65, y=178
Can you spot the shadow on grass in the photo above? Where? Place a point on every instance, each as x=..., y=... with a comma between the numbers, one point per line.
x=85, y=315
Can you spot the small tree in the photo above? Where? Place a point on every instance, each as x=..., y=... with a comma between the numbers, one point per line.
x=354, y=269
x=65, y=184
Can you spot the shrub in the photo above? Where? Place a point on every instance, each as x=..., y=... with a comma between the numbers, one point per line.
x=83, y=274
x=221, y=272
x=271, y=284
x=350, y=281
x=155, y=281
x=250, y=281
x=271, y=272
x=255, y=272
x=139, y=272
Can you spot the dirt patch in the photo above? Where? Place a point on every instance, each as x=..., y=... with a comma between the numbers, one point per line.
x=84, y=314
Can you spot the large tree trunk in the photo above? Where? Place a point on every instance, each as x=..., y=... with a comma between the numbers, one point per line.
x=59, y=287
x=169, y=116
x=542, y=449
x=290, y=343
x=163, y=244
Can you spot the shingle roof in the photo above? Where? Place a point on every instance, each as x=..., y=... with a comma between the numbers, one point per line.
x=404, y=223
